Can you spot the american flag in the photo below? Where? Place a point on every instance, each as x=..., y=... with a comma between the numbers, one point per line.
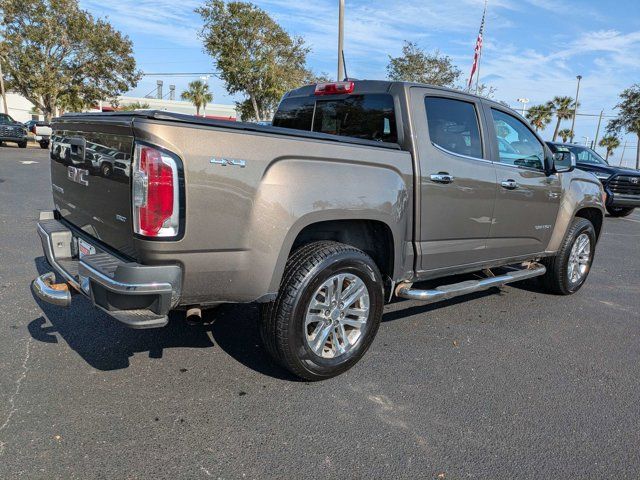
x=478, y=51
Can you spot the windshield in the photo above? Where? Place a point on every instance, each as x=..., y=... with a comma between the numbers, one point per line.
x=6, y=119
x=586, y=155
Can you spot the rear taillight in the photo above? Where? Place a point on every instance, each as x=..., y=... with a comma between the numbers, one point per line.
x=156, y=199
x=335, y=88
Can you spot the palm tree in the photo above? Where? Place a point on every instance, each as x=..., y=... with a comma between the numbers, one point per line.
x=540, y=116
x=564, y=108
x=198, y=94
x=565, y=134
x=610, y=142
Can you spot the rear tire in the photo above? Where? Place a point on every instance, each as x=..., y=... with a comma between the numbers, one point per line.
x=317, y=327
x=22, y=144
x=569, y=269
x=620, y=211
x=44, y=145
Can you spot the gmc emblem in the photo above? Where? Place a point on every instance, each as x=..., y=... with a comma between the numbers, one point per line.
x=78, y=175
x=635, y=180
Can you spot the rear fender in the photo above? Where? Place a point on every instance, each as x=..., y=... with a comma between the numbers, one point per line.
x=295, y=193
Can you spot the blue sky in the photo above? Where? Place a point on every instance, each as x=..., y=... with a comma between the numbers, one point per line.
x=533, y=48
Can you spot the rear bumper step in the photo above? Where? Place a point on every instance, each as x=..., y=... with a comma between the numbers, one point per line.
x=446, y=292
x=46, y=290
x=140, y=296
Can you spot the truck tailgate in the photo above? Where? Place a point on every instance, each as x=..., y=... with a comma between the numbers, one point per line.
x=91, y=181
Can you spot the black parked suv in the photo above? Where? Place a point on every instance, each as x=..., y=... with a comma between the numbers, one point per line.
x=12, y=131
x=621, y=184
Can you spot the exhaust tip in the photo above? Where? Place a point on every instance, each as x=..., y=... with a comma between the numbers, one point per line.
x=48, y=291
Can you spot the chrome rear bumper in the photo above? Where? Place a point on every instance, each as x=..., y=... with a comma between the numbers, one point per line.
x=139, y=296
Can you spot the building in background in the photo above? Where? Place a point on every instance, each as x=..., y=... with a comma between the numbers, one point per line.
x=20, y=108
x=212, y=110
x=23, y=110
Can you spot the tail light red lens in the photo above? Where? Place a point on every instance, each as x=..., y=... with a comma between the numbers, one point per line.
x=156, y=200
x=335, y=88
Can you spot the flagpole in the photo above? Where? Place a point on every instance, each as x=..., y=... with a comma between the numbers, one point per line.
x=484, y=16
x=478, y=72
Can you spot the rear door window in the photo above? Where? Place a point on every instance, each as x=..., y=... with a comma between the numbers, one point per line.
x=453, y=126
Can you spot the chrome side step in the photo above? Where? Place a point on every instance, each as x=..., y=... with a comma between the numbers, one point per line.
x=446, y=292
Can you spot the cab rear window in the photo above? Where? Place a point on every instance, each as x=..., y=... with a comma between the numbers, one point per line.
x=369, y=116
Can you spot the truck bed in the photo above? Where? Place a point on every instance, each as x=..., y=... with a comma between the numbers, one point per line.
x=236, y=221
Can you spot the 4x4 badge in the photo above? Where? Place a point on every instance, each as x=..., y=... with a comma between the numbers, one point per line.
x=229, y=161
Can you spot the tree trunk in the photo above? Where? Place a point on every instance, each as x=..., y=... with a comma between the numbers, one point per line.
x=607, y=157
x=197, y=110
x=255, y=108
x=638, y=153
x=555, y=133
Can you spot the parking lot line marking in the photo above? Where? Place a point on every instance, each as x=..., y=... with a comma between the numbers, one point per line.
x=27, y=162
x=631, y=220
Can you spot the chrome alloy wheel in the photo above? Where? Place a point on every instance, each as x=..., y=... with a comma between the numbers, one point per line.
x=337, y=315
x=579, y=259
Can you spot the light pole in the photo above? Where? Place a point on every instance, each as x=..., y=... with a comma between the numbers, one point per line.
x=340, y=40
x=524, y=102
x=575, y=110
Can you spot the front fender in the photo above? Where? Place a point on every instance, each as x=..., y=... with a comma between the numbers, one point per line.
x=580, y=190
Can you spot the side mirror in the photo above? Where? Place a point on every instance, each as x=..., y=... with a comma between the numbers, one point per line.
x=564, y=161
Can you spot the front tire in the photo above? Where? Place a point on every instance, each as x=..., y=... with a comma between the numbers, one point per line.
x=106, y=170
x=327, y=312
x=22, y=144
x=569, y=269
x=620, y=211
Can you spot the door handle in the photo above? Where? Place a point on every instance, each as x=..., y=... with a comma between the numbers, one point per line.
x=442, y=177
x=510, y=184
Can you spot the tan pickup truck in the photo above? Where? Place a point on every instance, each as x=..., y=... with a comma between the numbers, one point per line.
x=357, y=192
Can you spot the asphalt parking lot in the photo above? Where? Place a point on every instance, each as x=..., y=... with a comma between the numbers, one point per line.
x=506, y=384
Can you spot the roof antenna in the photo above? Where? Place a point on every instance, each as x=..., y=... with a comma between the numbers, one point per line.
x=344, y=63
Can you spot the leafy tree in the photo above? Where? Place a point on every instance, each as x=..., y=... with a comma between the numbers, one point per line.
x=55, y=53
x=628, y=119
x=135, y=106
x=564, y=108
x=610, y=142
x=198, y=94
x=255, y=56
x=317, y=78
x=417, y=65
x=565, y=134
x=486, y=91
x=540, y=116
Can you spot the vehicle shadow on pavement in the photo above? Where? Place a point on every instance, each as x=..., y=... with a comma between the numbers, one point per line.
x=106, y=344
